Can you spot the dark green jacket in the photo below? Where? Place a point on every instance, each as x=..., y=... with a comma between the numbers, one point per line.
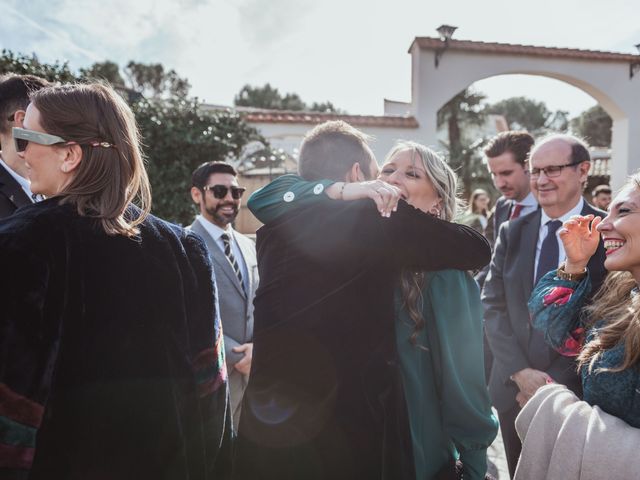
x=443, y=375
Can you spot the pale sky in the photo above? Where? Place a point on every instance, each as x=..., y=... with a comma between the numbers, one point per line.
x=350, y=52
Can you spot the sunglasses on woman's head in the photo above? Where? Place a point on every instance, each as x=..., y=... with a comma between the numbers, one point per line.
x=220, y=191
x=22, y=137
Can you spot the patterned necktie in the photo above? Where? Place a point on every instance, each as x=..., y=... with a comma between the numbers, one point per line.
x=226, y=240
x=515, y=212
x=550, y=252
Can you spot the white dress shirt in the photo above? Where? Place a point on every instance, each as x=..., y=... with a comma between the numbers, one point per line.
x=542, y=233
x=24, y=183
x=216, y=233
x=529, y=204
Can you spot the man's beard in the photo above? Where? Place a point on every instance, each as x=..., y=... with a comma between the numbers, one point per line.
x=221, y=218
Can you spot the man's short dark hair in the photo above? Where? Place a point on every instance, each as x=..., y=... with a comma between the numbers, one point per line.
x=200, y=175
x=601, y=189
x=330, y=150
x=14, y=95
x=518, y=143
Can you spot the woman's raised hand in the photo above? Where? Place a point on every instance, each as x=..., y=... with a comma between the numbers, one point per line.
x=385, y=195
x=580, y=239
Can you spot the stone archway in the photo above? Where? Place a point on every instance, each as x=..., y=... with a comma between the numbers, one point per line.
x=603, y=75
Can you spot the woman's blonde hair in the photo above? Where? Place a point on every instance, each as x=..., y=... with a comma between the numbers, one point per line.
x=620, y=309
x=108, y=179
x=445, y=183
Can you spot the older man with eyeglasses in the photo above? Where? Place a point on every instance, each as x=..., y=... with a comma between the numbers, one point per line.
x=217, y=194
x=526, y=249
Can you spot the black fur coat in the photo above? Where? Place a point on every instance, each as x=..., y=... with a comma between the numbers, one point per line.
x=111, y=357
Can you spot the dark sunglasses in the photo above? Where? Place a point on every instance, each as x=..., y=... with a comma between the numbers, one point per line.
x=220, y=191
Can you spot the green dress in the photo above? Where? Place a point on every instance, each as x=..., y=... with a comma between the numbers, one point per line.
x=443, y=375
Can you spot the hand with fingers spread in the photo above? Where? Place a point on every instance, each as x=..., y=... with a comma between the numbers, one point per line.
x=580, y=239
x=385, y=196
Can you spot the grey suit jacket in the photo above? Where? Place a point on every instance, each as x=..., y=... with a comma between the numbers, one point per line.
x=505, y=295
x=497, y=217
x=236, y=308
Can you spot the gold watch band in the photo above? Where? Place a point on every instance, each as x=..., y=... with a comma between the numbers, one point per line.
x=571, y=277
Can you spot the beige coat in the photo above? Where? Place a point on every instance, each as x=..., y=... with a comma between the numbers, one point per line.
x=564, y=438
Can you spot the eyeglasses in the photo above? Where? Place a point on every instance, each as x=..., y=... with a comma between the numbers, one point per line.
x=22, y=137
x=220, y=191
x=552, y=170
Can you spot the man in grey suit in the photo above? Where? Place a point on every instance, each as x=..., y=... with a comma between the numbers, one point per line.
x=216, y=192
x=507, y=157
x=526, y=248
x=15, y=190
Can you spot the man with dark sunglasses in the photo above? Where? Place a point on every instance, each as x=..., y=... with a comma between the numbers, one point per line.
x=216, y=192
x=15, y=189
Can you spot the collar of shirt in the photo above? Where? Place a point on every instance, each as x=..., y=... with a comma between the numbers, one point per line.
x=214, y=230
x=24, y=183
x=574, y=211
x=529, y=204
x=529, y=201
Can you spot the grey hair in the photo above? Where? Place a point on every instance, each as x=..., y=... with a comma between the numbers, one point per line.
x=439, y=173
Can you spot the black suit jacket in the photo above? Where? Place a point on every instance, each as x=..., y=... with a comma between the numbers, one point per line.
x=325, y=398
x=507, y=321
x=12, y=196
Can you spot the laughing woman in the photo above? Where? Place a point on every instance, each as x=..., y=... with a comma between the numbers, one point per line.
x=605, y=335
x=111, y=363
x=438, y=322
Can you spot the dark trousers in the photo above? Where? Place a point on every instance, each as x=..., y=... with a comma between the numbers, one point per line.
x=512, y=443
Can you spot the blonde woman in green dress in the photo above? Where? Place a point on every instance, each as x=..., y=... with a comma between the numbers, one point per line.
x=438, y=315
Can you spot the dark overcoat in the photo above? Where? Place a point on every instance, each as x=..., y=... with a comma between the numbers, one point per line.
x=111, y=360
x=325, y=399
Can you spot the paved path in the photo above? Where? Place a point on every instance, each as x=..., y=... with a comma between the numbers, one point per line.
x=497, y=460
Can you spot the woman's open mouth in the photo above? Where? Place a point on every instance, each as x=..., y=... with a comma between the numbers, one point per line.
x=612, y=245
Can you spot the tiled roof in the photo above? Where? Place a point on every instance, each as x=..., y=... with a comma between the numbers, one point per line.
x=281, y=116
x=430, y=43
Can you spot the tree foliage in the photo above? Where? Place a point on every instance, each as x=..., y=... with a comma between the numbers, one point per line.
x=177, y=133
x=594, y=125
x=152, y=80
x=107, y=71
x=522, y=113
x=463, y=110
x=30, y=65
x=270, y=98
x=178, y=136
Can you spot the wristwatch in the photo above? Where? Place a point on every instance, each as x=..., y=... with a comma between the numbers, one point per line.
x=571, y=277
